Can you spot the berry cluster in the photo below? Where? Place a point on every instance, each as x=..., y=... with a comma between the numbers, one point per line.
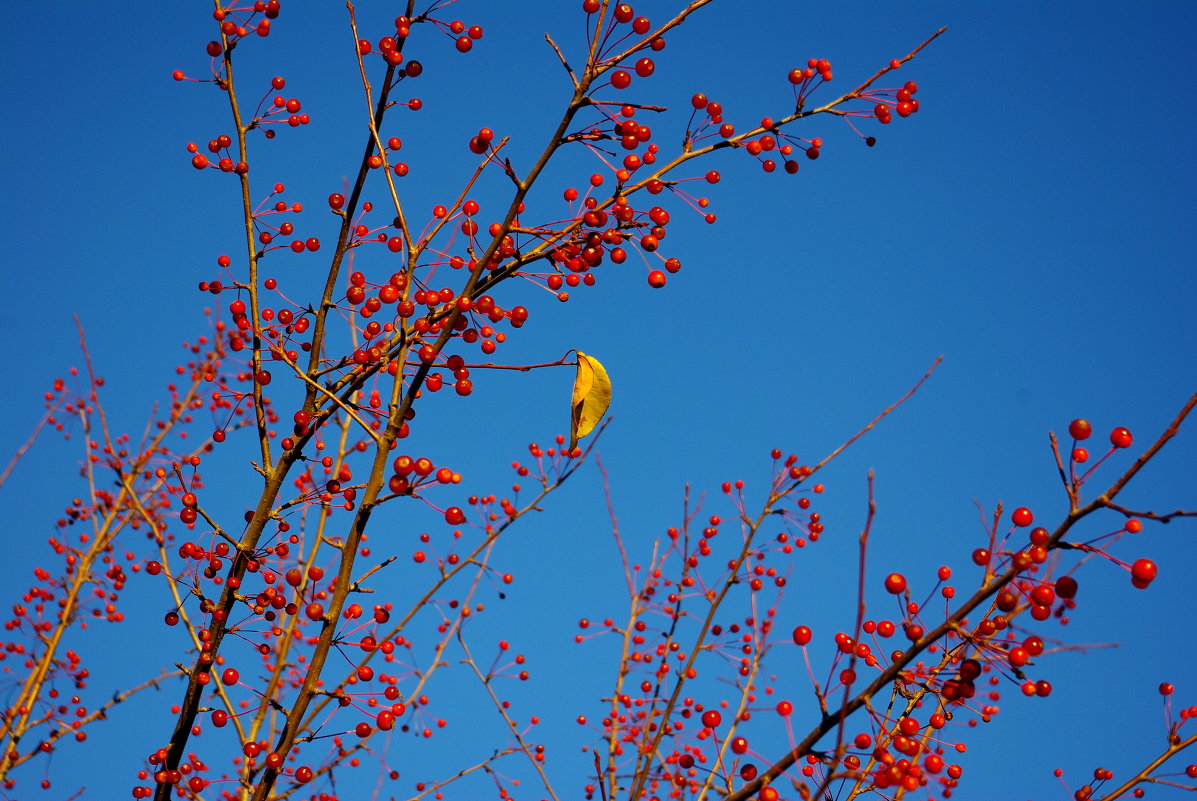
x=290, y=676
x=46, y=682
x=942, y=669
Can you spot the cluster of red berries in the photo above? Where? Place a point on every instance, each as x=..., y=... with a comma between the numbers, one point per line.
x=621, y=14
x=402, y=325
x=225, y=164
x=905, y=104
x=612, y=225
x=1142, y=571
x=993, y=647
x=465, y=37
x=234, y=28
x=390, y=47
x=1081, y=430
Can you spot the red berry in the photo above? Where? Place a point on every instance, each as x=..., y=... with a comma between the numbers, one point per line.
x=711, y=718
x=1143, y=571
x=802, y=635
x=1043, y=595
x=454, y=516
x=895, y=583
x=656, y=279
x=1022, y=517
x=230, y=676
x=1121, y=438
x=1080, y=429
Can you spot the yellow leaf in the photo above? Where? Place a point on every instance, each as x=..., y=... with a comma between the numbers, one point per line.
x=592, y=396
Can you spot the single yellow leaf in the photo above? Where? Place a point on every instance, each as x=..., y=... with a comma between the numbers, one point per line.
x=592, y=396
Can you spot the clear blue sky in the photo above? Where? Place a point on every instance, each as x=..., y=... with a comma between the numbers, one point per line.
x=1033, y=223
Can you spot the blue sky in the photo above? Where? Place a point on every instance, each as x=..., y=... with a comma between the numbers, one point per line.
x=1032, y=224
